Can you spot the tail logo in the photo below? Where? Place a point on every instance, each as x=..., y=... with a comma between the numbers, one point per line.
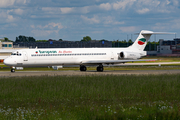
x=142, y=41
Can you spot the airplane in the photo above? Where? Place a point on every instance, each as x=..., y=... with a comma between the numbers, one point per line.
x=81, y=56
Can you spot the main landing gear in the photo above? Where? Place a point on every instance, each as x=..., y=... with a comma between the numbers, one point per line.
x=99, y=68
x=83, y=68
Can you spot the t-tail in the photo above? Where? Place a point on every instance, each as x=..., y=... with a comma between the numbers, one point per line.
x=141, y=41
x=136, y=50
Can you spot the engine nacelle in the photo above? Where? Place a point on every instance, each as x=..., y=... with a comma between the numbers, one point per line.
x=129, y=55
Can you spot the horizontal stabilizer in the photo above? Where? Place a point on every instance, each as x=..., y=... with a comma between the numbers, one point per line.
x=152, y=33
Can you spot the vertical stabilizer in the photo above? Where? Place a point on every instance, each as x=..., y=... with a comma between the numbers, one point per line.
x=143, y=38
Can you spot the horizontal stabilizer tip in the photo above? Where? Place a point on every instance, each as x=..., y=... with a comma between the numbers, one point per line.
x=144, y=32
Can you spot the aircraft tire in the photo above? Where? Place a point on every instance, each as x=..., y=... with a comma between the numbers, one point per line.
x=100, y=68
x=83, y=68
x=12, y=70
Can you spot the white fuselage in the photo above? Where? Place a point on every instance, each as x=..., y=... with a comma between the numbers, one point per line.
x=57, y=56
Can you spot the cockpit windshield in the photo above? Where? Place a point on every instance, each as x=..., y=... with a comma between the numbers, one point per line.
x=16, y=54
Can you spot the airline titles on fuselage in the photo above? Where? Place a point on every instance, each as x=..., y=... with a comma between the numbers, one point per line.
x=61, y=53
x=48, y=52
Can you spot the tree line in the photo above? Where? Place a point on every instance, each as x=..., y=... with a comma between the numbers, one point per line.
x=22, y=38
x=151, y=46
x=116, y=43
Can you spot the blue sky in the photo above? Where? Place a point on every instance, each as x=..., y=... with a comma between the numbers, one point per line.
x=99, y=19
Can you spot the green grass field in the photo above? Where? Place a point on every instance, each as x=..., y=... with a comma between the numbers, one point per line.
x=126, y=97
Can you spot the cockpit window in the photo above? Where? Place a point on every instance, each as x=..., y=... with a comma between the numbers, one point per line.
x=13, y=54
x=16, y=54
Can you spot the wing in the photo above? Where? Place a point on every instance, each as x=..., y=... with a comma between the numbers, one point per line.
x=112, y=61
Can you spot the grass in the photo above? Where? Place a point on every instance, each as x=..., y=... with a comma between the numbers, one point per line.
x=91, y=97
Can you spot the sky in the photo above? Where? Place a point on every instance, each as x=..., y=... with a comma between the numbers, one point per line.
x=100, y=19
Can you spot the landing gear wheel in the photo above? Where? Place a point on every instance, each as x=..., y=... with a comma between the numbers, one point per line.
x=83, y=68
x=12, y=70
x=100, y=68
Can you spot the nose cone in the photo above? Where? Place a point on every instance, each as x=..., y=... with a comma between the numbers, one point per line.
x=8, y=62
x=5, y=61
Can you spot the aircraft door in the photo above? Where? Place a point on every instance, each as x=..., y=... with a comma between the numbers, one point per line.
x=25, y=56
x=112, y=55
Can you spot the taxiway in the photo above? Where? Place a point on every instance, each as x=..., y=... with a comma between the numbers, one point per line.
x=106, y=72
x=76, y=73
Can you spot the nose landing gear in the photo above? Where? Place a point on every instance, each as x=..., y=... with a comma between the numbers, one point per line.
x=13, y=69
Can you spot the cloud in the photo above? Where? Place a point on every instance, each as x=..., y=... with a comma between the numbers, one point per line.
x=49, y=12
x=105, y=6
x=159, y=26
x=6, y=3
x=175, y=2
x=21, y=2
x=129, y=29
x=130, y=6
x=49, y=26
x=10, y=18
x=97, y=32
x=84, y=10
x=143, y=11
x=54, y=25
x=11, y=3
x=32, y=26
x=41, y=33
x=51, y=9
x=112, y=21
x=123, y=4
x=46, y=30
x=6, y=17
x=93, y=20
x=74, y=3
x=175, y=24
x=170, y=25
x=3, y=15
x=168, y=2
x=18, y=11
x=156, y=6
x=66, y=10
x=77, y=10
